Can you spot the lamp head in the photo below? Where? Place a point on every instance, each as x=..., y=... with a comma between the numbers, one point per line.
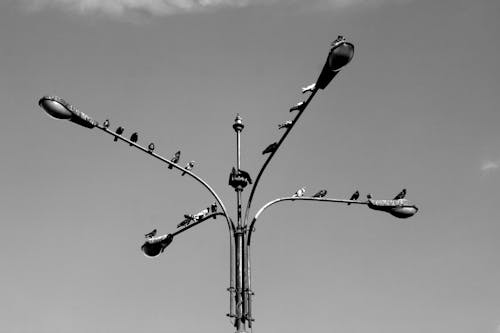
x=399, y=208
x=58, y=108
x=154, y=246
x=340, y=55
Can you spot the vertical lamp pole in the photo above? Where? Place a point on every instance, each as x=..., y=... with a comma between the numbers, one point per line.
x=239, y=183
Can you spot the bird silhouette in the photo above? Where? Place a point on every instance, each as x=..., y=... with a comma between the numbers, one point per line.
x=246, y=175
x=213, y=208
x=106, y=123
x=300, y=192
x=286, y=124
x=400, y=195
x=309, y=88
x=151, y=234
x=339, y=40
x=232, y=175
x=369, y=196
x=186, y=221
x=134, y=137
x=175, y=159
x=271, y=148
x=151, y=147
x=118, y=131
x=298, y=107
x=188, y=167
x=354, y=196
x=201, y=214
x=320, y=194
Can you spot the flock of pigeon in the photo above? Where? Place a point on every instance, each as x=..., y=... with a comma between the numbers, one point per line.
x=289, y=123
x=135, y=137
x=188, y=218
x=355, y=196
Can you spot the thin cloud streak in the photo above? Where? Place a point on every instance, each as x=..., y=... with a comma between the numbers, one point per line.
x=490, y=165
x=119, y=8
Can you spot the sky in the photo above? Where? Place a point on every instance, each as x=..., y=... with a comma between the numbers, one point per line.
x=417, y=108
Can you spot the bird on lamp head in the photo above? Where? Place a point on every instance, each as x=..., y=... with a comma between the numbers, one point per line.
x=118, y=131
x=175, y=159
x=151, y=234
x=400, y=195
x=300, y=192
x=320, y=194
x=340, y=39
x=355, y=196
x=188, y=167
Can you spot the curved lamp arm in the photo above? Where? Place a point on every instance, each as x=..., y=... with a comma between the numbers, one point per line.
x=193, y=175
x=293, y=199
x=256, y=182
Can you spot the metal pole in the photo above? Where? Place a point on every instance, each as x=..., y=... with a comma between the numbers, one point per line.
x=239, y=240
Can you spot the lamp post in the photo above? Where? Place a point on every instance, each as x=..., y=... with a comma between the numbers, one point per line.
x=240, y=233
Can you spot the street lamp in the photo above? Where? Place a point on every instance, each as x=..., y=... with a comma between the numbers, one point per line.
x=60, y=109
x=240, y=230
x=156, y=245
x=340, y=55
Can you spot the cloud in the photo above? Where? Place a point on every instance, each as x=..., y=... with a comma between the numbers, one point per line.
x=125, y=7
x=119, y=8
x=490, y=165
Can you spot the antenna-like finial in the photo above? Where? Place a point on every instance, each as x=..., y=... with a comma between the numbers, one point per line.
x=238, y=124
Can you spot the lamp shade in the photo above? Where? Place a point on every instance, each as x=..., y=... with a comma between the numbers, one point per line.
x=154, y=246
x=60, y=109
x=340, y=55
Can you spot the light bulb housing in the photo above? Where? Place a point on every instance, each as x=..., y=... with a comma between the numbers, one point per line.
x=154, y=246
x=58, y=108
x=339, y=56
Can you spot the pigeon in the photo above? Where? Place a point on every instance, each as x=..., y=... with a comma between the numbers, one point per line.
x=354, y=196
x=246, y=175
x=286, y=124
x=339, y=40
x=320, y=194
x=186, y=221
x=400, y=195
x=151, y=147
x=201, y=214
x=175, y=159
x=151, y=234
x=298, y=106
x=106, y=123
x=271, y=148
x=118, y=131
x=134, y=137
x=369, y=196
x=188, y=167
x=232, y=176
x=309, y=88
x=300, y=192
x=213, y=208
